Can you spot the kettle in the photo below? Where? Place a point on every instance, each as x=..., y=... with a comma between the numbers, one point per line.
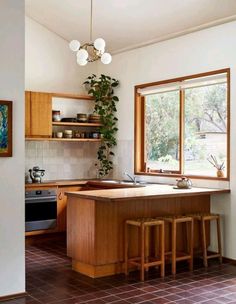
x=36, y=174
x=184, y=183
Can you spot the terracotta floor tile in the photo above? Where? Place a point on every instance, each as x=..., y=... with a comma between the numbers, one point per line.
x=50, y=280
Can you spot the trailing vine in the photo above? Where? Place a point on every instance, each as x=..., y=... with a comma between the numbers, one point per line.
x=102, y=90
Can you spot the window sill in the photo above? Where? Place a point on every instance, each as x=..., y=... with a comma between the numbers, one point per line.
x=181, y=175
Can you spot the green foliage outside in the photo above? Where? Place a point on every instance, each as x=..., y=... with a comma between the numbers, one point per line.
x=205, y=111
x=162, y=127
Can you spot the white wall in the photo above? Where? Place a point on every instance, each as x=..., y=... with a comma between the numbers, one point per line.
x=203, y=51
x=50, y=66
x=12, y=264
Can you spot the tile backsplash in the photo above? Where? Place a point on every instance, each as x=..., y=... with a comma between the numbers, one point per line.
x=62, y=160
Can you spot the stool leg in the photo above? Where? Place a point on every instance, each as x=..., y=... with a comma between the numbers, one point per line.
x=142, y=252
x=162, y=248
x=219, y=239
x=156, y=232
x=147, y=245
x=126, y=250
x=191, y=245
x=204, y=245
x=173, y=247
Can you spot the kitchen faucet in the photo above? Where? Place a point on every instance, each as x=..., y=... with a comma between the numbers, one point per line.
x=133, y=178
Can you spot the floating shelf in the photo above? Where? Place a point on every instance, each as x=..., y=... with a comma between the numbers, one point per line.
x=72, y=96
x=63, y=139
x=78, y=124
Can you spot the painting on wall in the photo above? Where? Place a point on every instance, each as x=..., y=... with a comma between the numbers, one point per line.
x=5, y=128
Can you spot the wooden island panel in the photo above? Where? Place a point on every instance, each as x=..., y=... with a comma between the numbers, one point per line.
x=95, y=233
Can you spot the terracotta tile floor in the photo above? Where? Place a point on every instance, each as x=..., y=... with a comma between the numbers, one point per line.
x=51, y=280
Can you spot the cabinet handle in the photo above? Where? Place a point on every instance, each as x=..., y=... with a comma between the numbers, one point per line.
x=60, y=196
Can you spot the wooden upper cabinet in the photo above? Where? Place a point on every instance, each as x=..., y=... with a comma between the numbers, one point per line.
x=27, y=114
x=38, y=109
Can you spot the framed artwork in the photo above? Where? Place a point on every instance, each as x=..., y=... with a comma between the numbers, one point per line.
x=5, y=128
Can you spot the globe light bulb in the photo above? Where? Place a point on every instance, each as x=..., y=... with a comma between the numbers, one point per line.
x=106, y=58
x=82, y=55
x=74, y=45
x=81, y=61
x=99, y=44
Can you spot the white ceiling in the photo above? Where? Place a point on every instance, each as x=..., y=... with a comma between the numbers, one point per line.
x=127, y=24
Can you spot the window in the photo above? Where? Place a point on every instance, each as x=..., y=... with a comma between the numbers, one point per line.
x=182, y=124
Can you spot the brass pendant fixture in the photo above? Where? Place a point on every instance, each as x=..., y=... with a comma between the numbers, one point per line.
x=90, y=51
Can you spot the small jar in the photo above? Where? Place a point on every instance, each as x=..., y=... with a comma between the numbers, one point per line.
x=56, y=115
x=95, y=135
x=68, y=133
x=77, y=134
x=59, y=134
x=220, y=173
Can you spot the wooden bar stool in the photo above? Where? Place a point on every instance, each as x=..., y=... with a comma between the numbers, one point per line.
x=203, y=218
x=143, y=262
x=180, y=256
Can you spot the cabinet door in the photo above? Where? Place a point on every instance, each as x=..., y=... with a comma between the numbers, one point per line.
x=41, y=114
x=61, y=206
x=27, y=114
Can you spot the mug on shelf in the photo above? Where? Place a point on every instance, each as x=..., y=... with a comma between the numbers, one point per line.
x=56, y=115
x=59, y=134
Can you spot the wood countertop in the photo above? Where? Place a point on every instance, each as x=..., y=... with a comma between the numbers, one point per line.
x=89, y=182
x=149, y=192
x=57, y=183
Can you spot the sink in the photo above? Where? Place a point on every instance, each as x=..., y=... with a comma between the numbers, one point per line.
x=123, y=182
x=110, y=181
x=132, y=183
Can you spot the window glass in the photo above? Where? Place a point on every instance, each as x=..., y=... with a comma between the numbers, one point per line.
x=162, y=113
x=182, y=126
x=205, y=129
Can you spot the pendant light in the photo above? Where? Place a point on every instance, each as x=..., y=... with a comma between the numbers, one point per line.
x=90, y=51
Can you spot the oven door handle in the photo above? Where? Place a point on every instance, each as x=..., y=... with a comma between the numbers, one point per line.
x=41, y=200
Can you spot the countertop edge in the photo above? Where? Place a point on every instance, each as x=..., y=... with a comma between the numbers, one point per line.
x=56, y=183
x=94, y=197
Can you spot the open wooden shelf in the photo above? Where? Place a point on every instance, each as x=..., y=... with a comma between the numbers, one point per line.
x=72, y=96
x=78, y=124
x=63, y=139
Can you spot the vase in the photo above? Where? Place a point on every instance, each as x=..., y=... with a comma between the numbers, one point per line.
x=220, y=173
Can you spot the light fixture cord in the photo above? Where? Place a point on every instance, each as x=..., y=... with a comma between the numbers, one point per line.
x=91, y=22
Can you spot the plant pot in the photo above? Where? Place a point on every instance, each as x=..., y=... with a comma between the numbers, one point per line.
x=220, y=173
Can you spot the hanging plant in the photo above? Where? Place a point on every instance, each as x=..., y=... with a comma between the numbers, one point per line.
x=102, y=90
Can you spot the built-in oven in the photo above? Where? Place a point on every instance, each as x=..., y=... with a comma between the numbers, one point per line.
x=40, y=209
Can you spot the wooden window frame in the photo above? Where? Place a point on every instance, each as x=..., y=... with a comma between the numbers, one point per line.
x=139, y=128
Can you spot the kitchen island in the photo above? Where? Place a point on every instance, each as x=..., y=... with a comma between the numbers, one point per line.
x=95, y=222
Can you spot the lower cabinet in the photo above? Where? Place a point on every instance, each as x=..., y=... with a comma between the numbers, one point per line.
x=61, y=206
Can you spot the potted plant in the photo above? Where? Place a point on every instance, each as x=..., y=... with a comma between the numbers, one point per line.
x=102, y=90
x=219, y=166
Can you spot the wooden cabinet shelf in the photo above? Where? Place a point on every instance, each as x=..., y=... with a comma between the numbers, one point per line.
x=72, y=96
x=38, y=113
x=77, y=124
x=63, y=139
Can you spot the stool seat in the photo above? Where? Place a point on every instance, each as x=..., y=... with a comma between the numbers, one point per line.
x=178, y=218
x=177, y=256
x=199, y=216
x=143, y=262
x=202, y=218
x=144, y=221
